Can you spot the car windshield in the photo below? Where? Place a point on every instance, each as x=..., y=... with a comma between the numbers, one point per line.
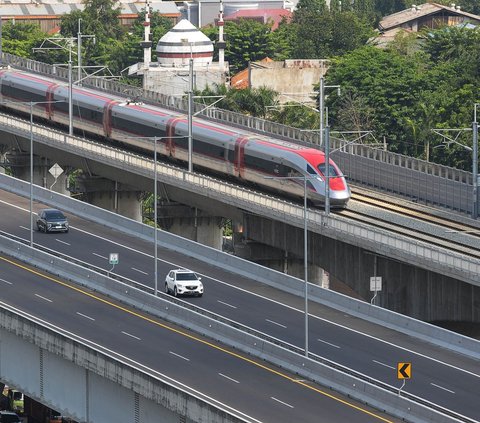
x=54, y=214
x=186, y=276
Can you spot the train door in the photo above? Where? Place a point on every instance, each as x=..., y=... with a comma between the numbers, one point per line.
x=240, y=156
x=107, y=118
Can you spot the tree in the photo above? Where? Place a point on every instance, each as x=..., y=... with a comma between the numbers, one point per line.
x=247, y=41
x=19, y=39
x=99, y=18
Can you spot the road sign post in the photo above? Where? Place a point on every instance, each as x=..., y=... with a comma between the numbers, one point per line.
x=404, y=372
x=55, y=171
x=113, y=260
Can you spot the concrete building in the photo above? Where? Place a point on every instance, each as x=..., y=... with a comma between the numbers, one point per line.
x=294, y=80
x=205, y=12
x=47, y=13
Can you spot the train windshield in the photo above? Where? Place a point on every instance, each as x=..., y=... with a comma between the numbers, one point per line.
x=332, y=171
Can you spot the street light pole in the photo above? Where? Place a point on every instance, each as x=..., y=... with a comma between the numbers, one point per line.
x=305, y=259
x=475, y=163
x=155, y=217
x=190, y=115
x=70, y=92
x=31, y=174
x=305, y=246
x=327, y=170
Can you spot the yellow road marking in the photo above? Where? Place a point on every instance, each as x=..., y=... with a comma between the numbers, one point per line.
x=195, y=338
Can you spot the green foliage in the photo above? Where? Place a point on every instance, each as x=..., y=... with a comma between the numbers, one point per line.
x=251, y=101
x=20, y=38
x=322, y=35
x=247, y=41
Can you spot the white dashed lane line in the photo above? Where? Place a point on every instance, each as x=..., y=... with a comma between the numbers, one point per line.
x=179, y=356
x=275, y=323
x=4, y=281
x=383, y=364
x=441, y=387
x=328, y=343
x=139, y=271
x=229, y=378
x=228, y=305
x=86, y=317
x=132, y=336
x=281, y=402
x=98, y=255
x=63, y=242
x=43, y=298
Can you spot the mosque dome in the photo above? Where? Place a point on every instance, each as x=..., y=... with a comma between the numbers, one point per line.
x=182, y=42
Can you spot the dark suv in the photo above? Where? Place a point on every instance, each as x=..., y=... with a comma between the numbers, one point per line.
x=52, y=220
x=9, y=417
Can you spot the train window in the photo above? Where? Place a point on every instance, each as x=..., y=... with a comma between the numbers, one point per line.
x=260, y=164
x=134, y=127
x=331, y=169
x=311, y=170
x=208, y=149
x=19, y=94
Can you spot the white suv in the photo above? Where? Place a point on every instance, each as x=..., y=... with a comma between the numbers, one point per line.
x=182, y=281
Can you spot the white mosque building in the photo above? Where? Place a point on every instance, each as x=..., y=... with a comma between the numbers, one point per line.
x=170, y=74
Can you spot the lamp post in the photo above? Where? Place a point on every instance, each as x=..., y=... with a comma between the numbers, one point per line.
x=155, y=212
x=475, y=163
x=305, y=246
x=31, y=104
x=190, y=113
x=326, y=147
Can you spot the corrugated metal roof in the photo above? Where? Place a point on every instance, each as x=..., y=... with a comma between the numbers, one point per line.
x=19, y=8
x=413, y=13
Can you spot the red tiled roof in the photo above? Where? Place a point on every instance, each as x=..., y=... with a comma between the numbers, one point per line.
x=275, y=15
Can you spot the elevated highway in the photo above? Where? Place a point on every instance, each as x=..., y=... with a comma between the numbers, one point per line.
x=445, y=377
x=333, y=240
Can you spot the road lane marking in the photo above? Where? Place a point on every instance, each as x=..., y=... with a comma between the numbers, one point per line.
x=98, y=255
x=24, y=227
x=129, y=334
x=7, y=282
x=328, y=343
x=63, y=242
x=441, y=387
x=383, y=364
x=43, y=298
x=138, y=270
x=179, y=356
x=228, y=305
x=196, y=338
x=84, y=315
x=281, y=402
x=275, y=323
x=229, y=378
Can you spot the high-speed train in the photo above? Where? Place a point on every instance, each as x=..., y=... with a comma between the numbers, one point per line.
x=270, y=163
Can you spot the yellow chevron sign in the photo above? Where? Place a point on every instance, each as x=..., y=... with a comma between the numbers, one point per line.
x=404, y=370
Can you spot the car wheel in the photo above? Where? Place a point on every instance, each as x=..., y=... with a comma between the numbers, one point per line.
x=66, y=231
x=45, y=229
x=199, y=295
x=167, y=291
x=175, y=291
x=38, y=228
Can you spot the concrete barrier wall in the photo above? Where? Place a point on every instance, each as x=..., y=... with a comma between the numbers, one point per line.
x=364, y=391
x=157, y=390
x=396, y=321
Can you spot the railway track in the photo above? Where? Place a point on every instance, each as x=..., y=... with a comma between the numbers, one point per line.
x=443, y=229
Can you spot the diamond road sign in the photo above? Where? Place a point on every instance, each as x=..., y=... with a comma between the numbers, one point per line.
x=56, y=170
